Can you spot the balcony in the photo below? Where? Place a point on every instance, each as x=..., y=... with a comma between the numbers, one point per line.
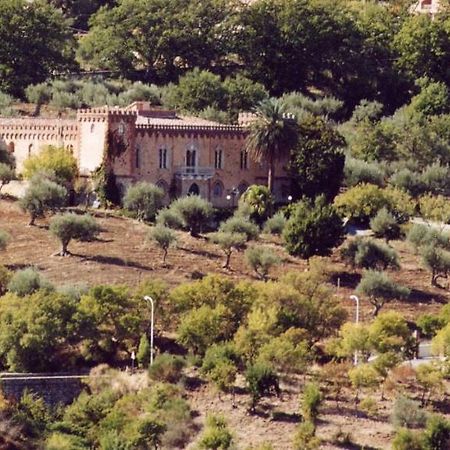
x=194, y=172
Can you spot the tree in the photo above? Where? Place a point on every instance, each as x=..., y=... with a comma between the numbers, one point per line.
x=379, y=289
x=271, y=136
x=261, y=380
x=275, y=224
x=216, y=436
x=317, y=162
x=260, y=202
x=384, y=225
x=143, y=353
x=261, y=259
x=143, y=199
x=437, y=433
x=194, y=211
x=437, y=261
x=314, y=228
x=310, y=402
x=72, y=226
x=7, y=174
x=31, y=32
x=228, y=241
x=27, y=281
x=435, y=208
x=40, y=196
x=363, y=376
x=240, y=225
x=164, y=237
x=354, y=337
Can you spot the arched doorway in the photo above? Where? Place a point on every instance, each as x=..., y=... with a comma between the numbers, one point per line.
x=194, y=189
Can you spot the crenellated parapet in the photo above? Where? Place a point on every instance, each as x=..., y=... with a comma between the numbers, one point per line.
x=106, y=114
x=233, y=131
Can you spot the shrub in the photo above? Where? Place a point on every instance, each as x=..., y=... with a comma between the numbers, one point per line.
x=143, y=199
x=422, y=235
x=368, y=254
x=261, y=259
x=311, y=400
x=407, y=413
x=261, y=380
x=363, y=376
x=384, y=225
x=57, y=160
x=260, y=201
x=228, y=241
x=71, y=226
x=435, y=208
x=359, y=171
x=4, y=239
x=305, y=437
x=275, y=224
x=27, y=281
x=7, y=174
x=164, y=237
x=406, y=439
x=143, y=354
x=5, y=277
x=314, y=228
x=429, y=324
x=42, y=195
x=437, y=261
x=216, y=434
x=194, y=211
x=240, y=225
x=435, y=179
x=437, y=433
x=169, y=217
x=407, y=180
x=379, y=289
x=167, y=367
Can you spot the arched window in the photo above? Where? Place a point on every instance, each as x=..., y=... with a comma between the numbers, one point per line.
x=30, y=149
x=137, y=158
x=163, y=158
x=218, y=189
x=11, y=147
x=244, y=160
x=121, y=129
x=218, y=159
x=191, y=156
x=194, y=189
x=70, y=148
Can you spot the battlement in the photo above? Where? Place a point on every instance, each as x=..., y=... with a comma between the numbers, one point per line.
x=183, y=128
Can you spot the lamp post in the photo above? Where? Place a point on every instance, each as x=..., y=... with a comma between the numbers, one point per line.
x=289, y=198
x=148, y=299
x=356, y=299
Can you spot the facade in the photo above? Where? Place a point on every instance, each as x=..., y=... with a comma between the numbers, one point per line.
x=426, y=7
x=182, y=155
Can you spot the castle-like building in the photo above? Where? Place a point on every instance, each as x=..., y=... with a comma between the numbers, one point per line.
x=182, y=155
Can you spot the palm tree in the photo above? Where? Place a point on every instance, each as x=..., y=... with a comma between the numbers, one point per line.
x=272, y=135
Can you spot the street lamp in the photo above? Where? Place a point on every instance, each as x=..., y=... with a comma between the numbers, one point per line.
x=148, y=299
x=356, y=299
x=289, y=198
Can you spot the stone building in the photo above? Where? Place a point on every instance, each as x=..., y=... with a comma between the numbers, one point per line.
x=180, y=154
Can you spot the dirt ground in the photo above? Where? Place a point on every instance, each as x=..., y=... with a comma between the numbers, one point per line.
x=121, y=255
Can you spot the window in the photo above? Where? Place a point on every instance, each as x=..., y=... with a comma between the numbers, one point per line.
x=218, y=189
x=92, y=127
x=30, y=149
x=194, y=189
x=191, y=158
x=163, y=158
x=218, y=159
x=121, y=129
x=11, y=147
x=137, y=156
x=244, y=160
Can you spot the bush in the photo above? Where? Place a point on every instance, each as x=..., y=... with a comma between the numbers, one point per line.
x=216, y=435
x=143, y=354
x=167, y=368
x=169, y=217
x=429, y=325
x=437, y=433
x=435, y=179
x=228, y=241
x=379, y=289
x=407, y=413
x=261, y=380
x=143, y=199
x=384, y=225
x=314, y=228
x=368, y=254
x=305, y=437
x=5, y=277
x=164, y=237
x=435, y=208
x=358, y=171
x=194, y=211
x=7, y=174
x=408, y=180
x=57, y=160
x=311, y=400
x=42, y=195
x=260, y=202
x=27, y=281
x=71, y=226
x=406, y=439
x=4, y=239
x=437, y=261
x=240, y=225
x=261, y=259
x=422, y=235
x=275, y=224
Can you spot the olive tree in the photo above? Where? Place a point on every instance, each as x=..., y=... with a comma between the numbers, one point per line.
x=164, y=237
x=228, y=241
x=384, y=225
x=143, y=199
x=379, y=289
x=194, y=211
x=261, y=259
x=437, y=261
x=71, y=226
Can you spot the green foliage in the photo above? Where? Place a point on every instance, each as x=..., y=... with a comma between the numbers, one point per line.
x=314, y=228
x=169, y=217
x=305, y=437
x=384, y=225
x=144, y=352
x=105, y=186
x=260, y=202
x=435, y=208
x=406, y=439
x=5, y=276
x=228, y=241
x=429, y=324
x=143, y=199
x=261, y=380
x=216, y=435
x=275, y=224
x=72, y=226
x=310, y=402
x=437, y=433
x=4, y=239
x=164, y=237
x=369, y=254
x=261, y=259
x=354, y=337
x=422, y=235
x=240, y=225
x=379, y=289
x=441, y=342
x=358, y=171
x=167, y=368
x=194, y=211
x=437, y=261
x=408, y=180
x=7, y=174
x=317, y=161
x=407, y=413
x=434, y=179
x=57, y=160
x=28, y=281
x=40, y=196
